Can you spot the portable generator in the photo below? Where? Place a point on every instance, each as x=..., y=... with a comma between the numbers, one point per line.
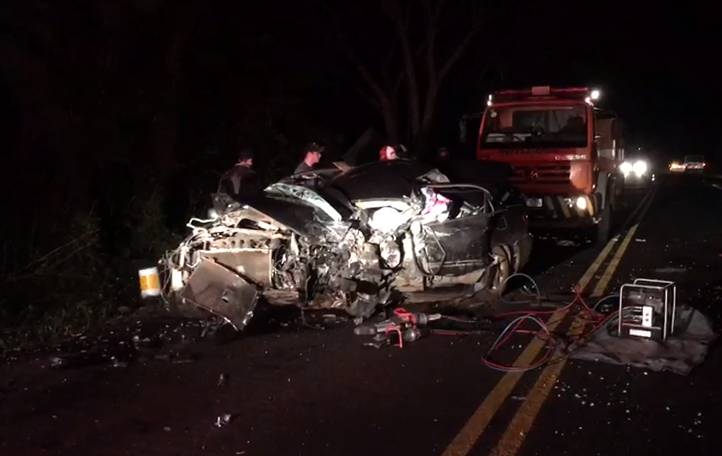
x=647, y=309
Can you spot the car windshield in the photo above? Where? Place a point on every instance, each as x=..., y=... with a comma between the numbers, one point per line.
x=309, y=197
x=693, y=158
x=535, y=126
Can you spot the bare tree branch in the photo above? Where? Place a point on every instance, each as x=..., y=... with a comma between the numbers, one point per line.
x=458, y=52
x=415, y=65
x=364, y=72
x=431, y=27
x=368, y=97
x=402, y=30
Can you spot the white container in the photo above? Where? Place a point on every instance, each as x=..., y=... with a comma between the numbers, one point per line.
x=149, y=282
x=176, y=279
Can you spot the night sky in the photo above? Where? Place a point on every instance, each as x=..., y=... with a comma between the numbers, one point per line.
x=105, y=101
x=657, y=64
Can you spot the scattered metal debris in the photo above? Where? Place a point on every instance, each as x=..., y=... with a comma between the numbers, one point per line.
x=671, y=270
x=118, y=364
x=223, y=420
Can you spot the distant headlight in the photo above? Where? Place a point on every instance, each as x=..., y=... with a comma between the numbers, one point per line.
x=640, y=168
x=626, y=168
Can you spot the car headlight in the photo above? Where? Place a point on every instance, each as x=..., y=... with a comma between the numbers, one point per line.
x=390, y=253
x=640, y=168
x=626, y=168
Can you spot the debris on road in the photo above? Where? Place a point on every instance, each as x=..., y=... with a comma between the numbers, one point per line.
x=671, y=270
x=76, y=360
x=223, y=420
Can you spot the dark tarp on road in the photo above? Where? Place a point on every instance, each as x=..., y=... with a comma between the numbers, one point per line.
x=680, y=353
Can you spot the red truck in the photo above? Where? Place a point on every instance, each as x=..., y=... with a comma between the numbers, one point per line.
x=564, y=151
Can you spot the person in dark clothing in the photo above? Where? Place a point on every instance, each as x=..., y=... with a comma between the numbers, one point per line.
x=241, y=181
x=442, y=159
x=312, y=155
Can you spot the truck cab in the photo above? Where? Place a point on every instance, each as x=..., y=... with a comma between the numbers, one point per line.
x=564, y=152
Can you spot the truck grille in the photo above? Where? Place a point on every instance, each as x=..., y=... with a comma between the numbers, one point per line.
x=555, y=173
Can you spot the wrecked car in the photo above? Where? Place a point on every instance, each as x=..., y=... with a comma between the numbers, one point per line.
x=352, y=240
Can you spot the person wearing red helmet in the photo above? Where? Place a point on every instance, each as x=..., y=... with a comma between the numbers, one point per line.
x=388, y=153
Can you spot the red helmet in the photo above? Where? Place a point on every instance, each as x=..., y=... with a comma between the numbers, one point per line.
x=388, y=153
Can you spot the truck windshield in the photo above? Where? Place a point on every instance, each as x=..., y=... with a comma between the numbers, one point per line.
x=535, y=126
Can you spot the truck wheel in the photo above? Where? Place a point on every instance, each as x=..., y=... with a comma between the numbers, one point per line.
x=501, y=270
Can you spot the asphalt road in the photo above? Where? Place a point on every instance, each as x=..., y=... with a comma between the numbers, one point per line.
x=294, y=390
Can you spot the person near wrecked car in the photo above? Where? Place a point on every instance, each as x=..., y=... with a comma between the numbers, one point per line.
x=389, y=152
x=442, y=159
x=311, y=156
x=241, y=181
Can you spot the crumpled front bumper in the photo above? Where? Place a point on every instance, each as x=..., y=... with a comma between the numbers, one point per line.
x=222, y=292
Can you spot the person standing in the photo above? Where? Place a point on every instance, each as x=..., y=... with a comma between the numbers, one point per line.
x=241, y=181
x=312, y=155
x=388, y=153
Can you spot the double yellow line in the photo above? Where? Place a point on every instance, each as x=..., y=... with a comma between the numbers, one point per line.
x=517, y=430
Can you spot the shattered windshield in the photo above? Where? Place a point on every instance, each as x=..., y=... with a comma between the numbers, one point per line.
x=535, y=126
x=307, y=197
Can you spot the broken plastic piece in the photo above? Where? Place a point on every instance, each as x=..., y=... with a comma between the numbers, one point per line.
x=223, y=420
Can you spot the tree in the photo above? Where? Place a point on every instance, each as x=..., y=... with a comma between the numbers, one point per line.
x=404, y=65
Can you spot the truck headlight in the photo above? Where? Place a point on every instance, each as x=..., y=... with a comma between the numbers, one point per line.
x=626, y=168
x=581, y=203
x=640, y=168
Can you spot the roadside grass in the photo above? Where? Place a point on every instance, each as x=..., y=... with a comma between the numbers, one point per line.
x=64, y=289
